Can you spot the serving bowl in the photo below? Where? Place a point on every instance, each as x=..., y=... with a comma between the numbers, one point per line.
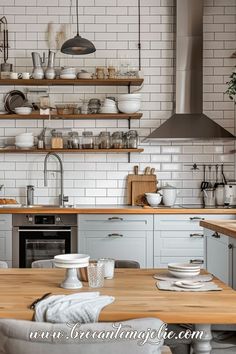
x=23, y=110
x=130, y=97
x=153, y=199
x=129, y=106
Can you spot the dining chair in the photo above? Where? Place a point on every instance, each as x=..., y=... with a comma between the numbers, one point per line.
x=3, y=264
x=126, y=264
x=23, y=337
x=44, y=263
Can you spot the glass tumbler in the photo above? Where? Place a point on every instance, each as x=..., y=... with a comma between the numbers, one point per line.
x=96, y=275
x=109, y=265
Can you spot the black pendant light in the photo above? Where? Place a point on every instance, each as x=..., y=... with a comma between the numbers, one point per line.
x=78, y=45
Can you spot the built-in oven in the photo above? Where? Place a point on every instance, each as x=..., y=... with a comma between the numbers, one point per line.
x=38, y=237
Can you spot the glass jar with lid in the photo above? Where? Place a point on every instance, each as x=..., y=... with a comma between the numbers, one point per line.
x=131, y=139
x=73, y=140
x=87, y=140
x=117, y=140
x=56, y=140
x=104, y=140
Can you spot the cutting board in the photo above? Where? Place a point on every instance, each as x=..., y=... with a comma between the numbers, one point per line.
x=137, y=185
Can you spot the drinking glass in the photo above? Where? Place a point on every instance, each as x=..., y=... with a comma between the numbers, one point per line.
x=96, y=275
x=109, y=265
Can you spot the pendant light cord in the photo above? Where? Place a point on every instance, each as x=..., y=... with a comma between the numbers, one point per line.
x=139, y=35
x=77, y=16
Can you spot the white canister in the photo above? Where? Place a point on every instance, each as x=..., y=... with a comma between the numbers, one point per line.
x=169, y=195
x=220, y=195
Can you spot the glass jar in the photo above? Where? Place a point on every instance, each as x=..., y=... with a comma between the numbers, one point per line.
x=56, y=140
x=87, y=140
x=73, y=140
x=117, y=140
x=94, y=106
x=100, y=72
x=131, y=139
x=104, y=140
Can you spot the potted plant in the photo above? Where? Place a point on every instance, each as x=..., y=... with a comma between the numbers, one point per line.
x=231, y=90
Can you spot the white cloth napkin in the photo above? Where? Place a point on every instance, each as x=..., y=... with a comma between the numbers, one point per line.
x=80, y=307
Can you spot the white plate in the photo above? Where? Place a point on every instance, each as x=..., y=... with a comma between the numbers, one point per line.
x=183, y=266
x=68, y=76
x=72, y=258
x=10, y=205
x=184, y=275
x=189, y=284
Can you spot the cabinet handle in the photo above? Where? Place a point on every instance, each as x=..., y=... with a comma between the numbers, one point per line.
x=115, y=235
x=196, y=218
x=196, y=235
x=196, y=261
x=115, y=218
x=230, y=246
x=215, y=235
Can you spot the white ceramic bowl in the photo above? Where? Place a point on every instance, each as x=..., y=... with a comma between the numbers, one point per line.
x=184, y=266
x=67, y=76
x=130, y=96
x=153, y=199
x=184, y=274
x=84, y=76
x=23, y=110
x=108, y=110
x=24, y=145
x=129, y=106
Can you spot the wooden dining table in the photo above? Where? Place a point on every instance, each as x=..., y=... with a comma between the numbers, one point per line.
x=136, y=296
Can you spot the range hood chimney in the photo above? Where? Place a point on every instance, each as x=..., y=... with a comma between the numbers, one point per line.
x=189, y=122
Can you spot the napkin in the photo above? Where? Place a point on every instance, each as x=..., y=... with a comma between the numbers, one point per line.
x=169, y=285
x=80, y=307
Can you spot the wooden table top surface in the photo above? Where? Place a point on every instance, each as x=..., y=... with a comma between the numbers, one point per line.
x=227, y=227
x=135, y=295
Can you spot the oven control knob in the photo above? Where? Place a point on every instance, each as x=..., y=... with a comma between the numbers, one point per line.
x=30, y=218
x=58, y=219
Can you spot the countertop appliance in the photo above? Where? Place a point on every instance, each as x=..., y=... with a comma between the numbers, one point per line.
x=39, y=236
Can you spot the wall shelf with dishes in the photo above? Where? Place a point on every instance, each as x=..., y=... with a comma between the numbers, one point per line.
x=37, y=115
x=75, y=82
x=12, y=149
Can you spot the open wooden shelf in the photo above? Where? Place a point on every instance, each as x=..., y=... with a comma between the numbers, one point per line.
x=36, y=115
x=76, y=82
x=14, y=150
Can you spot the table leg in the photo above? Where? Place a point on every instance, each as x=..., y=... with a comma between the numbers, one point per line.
x=202, y=345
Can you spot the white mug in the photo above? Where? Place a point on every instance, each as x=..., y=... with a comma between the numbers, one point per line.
x=25, y=76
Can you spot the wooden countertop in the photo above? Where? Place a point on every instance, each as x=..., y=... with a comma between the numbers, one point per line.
x=110, y=209
x=135, y=295
x=226, y=227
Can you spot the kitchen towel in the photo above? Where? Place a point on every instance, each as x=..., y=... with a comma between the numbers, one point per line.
x=80, y=307
x=169, y=277
x=170, y=285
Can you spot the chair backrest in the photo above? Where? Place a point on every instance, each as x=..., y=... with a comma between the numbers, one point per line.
x=3, y=264
x=15, y=338
x=126, y=264
x=44, y=263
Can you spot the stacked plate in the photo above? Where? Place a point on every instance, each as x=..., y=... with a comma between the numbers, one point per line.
x=71, y=260
x=183, y=270
x=109, y=106
x=129, y=103
x=24, y=140
x=68, y=73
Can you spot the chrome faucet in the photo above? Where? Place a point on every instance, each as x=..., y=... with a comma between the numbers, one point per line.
x=62, y=198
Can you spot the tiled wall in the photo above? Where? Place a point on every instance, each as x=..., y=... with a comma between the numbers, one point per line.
x=112, y=26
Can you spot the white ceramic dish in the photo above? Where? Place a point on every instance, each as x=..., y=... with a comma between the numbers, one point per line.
x=189, y=284
x=184, y=275
x=130, y=96
x=84, y=76
x=129, y=106
x=153, y=199
x=10, y=205
x=108, y=111
x=23, y=110
x=24, y=145
x=72, y=258
x=68, y=76
x=184, y=266
x=70, y=265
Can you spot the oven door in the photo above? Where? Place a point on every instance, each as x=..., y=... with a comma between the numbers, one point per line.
x=42, y=243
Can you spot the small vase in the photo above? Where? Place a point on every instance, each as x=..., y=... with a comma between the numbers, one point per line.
x=50, y=73
x=38, y=73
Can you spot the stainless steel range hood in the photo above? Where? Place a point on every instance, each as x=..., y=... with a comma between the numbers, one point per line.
x=188, y=122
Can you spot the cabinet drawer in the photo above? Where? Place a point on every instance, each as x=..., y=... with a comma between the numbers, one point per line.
x=179, y=243
x=5, y=222
x=185, y=222
x=162, y=262
x=115, y=222
x=130, y=245
x=5, y=245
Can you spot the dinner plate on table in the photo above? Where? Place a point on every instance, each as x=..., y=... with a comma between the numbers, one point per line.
x=189, y=284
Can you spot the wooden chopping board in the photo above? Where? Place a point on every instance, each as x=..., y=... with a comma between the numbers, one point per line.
x=137, y=185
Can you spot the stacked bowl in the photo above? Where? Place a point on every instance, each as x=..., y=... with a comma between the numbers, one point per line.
x=109, y=106
x=24, y=140
x=129, y=103
x=184, y=270
x=23, y=110
x=68, y=73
